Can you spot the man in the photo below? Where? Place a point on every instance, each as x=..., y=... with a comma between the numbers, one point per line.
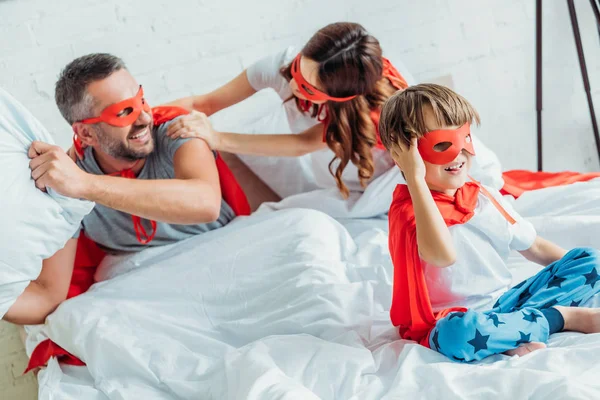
x=176, y=195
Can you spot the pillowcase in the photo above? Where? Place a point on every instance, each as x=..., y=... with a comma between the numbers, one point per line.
x=33, y=225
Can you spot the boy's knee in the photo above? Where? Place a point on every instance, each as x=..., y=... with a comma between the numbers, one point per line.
x=585, y=252
x=457, y=336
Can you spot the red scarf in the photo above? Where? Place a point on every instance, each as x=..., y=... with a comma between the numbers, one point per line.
x=411, y=308
x=89, y=255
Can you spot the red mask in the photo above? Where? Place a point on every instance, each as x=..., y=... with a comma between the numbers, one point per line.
x=443, y=145
x=309, y=91
x=123, y=113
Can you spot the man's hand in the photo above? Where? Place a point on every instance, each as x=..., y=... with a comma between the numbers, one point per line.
x=52, y=168
x=408, y=160
x=196, y=124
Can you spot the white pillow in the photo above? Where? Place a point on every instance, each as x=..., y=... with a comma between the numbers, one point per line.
x=33, y=225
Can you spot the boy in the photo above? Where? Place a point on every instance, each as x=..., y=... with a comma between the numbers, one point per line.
x=450, y=239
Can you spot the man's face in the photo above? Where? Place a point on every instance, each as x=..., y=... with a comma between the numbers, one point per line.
x=129, y=143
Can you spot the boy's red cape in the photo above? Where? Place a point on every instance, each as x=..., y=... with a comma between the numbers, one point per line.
x=89, y=255
x=411, y=309
x=517, y=182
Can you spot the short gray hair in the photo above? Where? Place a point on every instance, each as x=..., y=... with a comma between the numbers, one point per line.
x=70, y=93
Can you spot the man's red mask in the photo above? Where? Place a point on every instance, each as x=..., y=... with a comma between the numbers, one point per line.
x=309, y=91
x=444, y=145
x=123, y=113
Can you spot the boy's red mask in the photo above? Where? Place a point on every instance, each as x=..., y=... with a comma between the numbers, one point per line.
x=444, y=145
x=123, y=113
x=309, y=91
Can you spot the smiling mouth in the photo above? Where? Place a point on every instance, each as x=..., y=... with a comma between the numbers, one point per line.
x=140, y=135
x=455, y=167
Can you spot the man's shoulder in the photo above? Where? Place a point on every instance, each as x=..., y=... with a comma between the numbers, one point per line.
x=164, y=146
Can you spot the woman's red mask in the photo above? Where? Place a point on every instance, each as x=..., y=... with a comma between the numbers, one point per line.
x=309, y=91
x=123, y=113
x=444, y=145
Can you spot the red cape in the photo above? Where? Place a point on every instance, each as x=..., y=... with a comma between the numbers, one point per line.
x=517, y=182
x=411, y=308
x=89, y=255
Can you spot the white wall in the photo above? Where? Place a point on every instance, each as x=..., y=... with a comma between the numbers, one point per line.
x=180, y=47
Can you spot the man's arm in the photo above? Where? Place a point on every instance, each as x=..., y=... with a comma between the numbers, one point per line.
x=193, y=197
x=43, y=295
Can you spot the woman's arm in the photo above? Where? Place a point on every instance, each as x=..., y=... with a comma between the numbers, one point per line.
x=290, y=145
x=231, y=93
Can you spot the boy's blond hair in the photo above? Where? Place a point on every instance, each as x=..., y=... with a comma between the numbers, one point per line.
x=402, y=114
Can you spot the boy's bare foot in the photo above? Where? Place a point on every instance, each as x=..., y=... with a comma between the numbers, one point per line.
x=580, y=319
x=525, y=349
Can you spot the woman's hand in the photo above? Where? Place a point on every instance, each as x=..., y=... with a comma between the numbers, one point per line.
x=195, y=125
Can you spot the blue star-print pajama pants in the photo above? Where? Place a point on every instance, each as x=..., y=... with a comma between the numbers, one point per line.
x=524, y=313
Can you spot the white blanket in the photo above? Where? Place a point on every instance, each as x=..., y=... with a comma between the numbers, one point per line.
x=294, y=305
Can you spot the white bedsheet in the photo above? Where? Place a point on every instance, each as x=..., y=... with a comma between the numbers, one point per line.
x=294, y=305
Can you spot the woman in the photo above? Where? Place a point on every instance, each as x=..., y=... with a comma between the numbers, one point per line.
x=332, y=90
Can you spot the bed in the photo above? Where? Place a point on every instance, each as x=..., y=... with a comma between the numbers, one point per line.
x=300, y=311
x=292, y=303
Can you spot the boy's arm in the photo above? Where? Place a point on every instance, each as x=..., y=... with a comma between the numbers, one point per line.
x=543, y=252
x=433, y=236
x=43, y=295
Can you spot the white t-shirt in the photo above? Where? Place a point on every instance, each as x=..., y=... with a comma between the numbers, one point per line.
x=265, y=74
x=483, y=245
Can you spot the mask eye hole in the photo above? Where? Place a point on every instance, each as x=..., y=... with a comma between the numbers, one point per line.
x=441, y=147
x=308, y=90
x=468, y=138
x=125, y=112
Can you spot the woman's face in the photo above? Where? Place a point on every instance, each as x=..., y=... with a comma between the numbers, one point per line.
x=310, y=71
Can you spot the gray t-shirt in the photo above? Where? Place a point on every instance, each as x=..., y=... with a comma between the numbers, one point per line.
x=114, y=231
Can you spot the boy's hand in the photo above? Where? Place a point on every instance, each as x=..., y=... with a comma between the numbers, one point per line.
x=409, y=160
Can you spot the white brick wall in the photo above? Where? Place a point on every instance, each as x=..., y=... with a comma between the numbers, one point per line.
x=182, y=47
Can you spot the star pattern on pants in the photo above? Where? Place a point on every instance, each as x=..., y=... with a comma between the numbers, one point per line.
x=582, y=255
x=519, y=285
x=479, y=342
x=495, y=320
x=457, y=314
x=592, y=277
x=435, y=340
x=550, y=304
x=575, y=303
x=524, y=339
x=523, y=297
x=556, y=282
x=531, y=317
x=497, y=304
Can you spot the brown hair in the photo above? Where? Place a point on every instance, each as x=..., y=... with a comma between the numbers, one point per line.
x=402, y=114
x=350, y=63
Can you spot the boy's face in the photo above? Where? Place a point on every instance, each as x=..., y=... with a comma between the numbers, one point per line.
x=449, y=177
